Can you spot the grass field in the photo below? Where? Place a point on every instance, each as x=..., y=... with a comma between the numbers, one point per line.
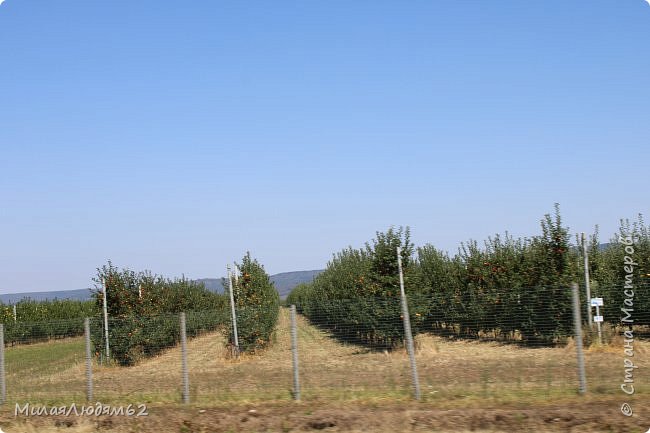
x=454, y=375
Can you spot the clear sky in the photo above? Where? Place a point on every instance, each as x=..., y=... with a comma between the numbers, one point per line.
x=174, y=136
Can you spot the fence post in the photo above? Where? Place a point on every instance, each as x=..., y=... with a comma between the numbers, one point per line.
x=577, y=322
x=407, y=329
x=232, y=311
x=585, y=256
x=3, y=383
x=89, y=362
x=184, y=370
x=294, y=350
x=105, y=308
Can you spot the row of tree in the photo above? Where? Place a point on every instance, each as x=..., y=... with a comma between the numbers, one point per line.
x=357, y=296
x=516, y=288
x=43, y=320
x=257, y=305
x=143, y=310
x=608, y=268
x=29, y=310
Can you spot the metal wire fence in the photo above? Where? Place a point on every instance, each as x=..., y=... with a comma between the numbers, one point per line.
x=328, y=353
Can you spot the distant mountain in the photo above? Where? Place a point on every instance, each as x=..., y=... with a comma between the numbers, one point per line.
x=12, y=298
x=284, y=283
x=603, y=247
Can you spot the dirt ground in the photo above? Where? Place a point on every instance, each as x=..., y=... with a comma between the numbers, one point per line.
x=587, y=415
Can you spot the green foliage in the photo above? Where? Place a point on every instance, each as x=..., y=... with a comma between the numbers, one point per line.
x=29, y=310
x=144, y=294
x=357, y=297
x=445, y=303
x=299, y=296
x=383, y=277
x=133, y=338
x=608, y=273
x=257, y=304
x=508, y=287
x=143, y=312
x=43, y=320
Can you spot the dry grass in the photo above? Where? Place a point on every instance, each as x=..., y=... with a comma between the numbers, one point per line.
x=453, y=373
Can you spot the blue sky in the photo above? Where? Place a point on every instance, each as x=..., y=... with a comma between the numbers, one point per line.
x=174, y=136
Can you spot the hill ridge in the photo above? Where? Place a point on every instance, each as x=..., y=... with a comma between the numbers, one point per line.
x=284, y=282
